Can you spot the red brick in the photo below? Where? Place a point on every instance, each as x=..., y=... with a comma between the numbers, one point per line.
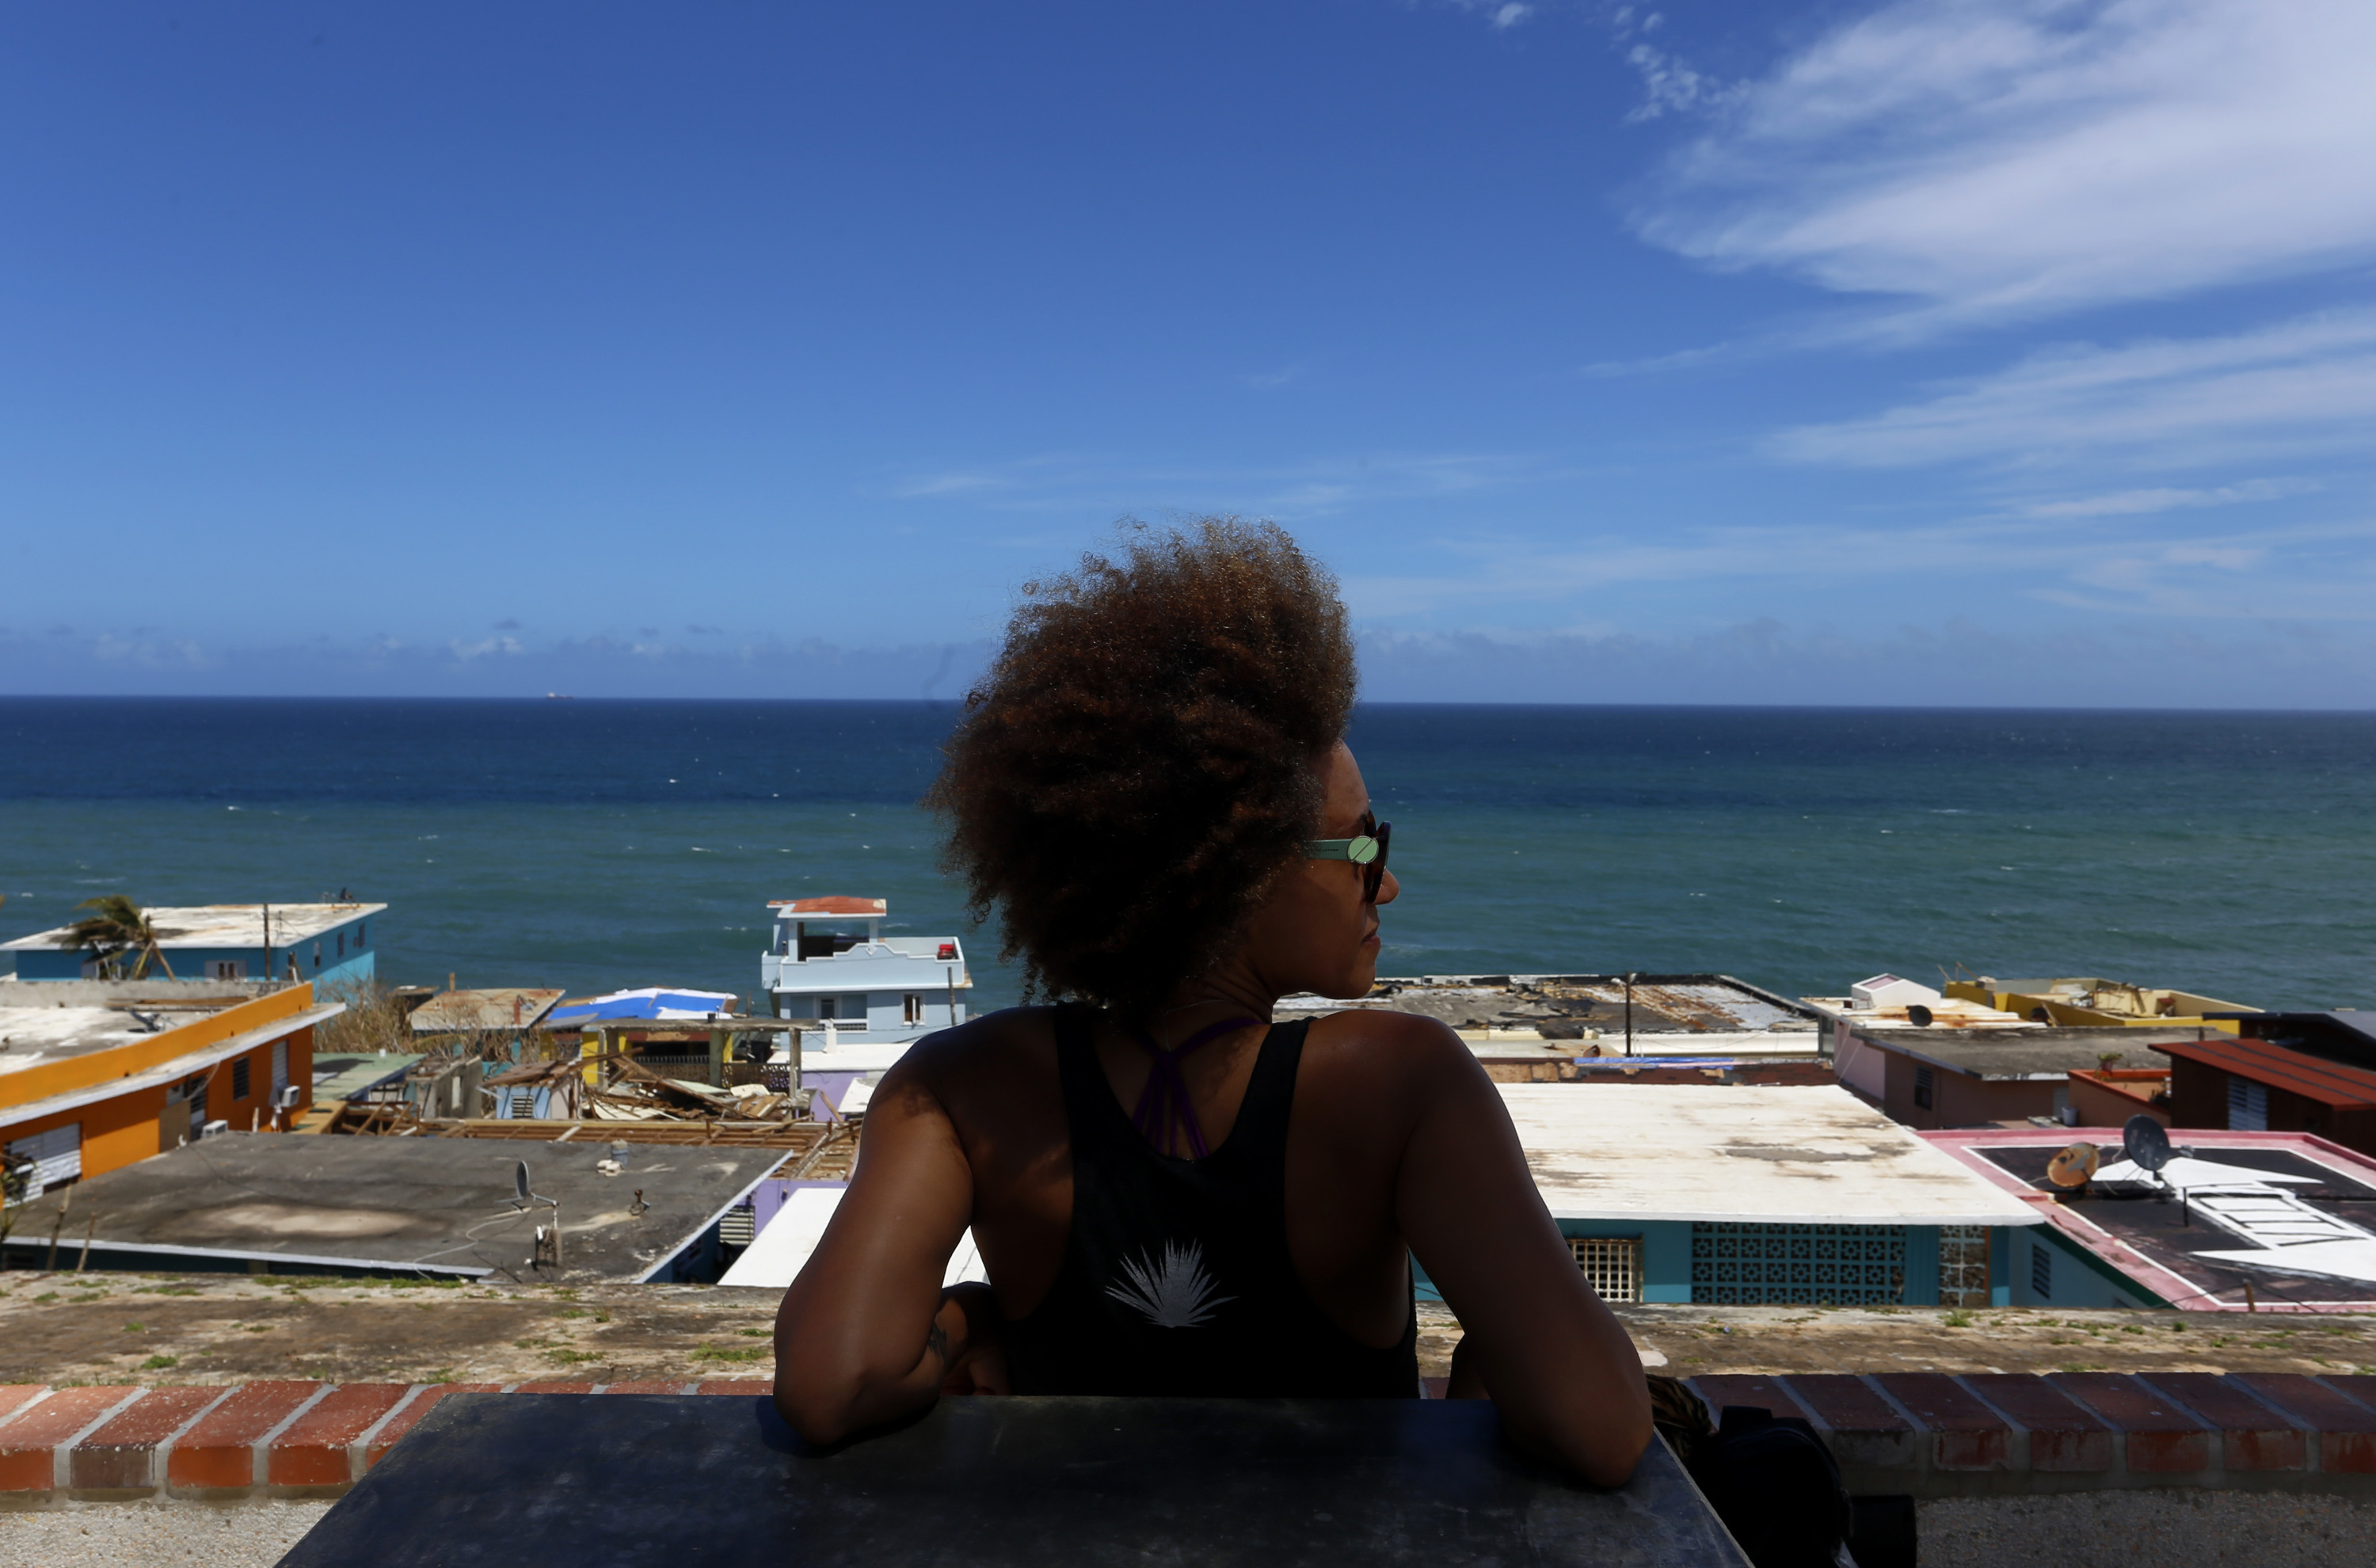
x=2063, y=1436
x=2252, y=1435
x=312, y=1451
x=1766, y=1393
x=2158, y=1435
x=1965, y=1433
x=29, y=1444
x=2346, y=1429
x=122, y=1455
x=219, y=1452
x=737, y=1385
x=554, y=1388
x=649, y=1386
x=1862, y=1427
x=404, y=1420
x=14, y=1396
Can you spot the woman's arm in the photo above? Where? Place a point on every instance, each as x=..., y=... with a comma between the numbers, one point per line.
x=866, y=1334
x=1556, y=1361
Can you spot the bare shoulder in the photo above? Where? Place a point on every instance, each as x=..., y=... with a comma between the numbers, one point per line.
x=1399, y=1050
x=980, y=1061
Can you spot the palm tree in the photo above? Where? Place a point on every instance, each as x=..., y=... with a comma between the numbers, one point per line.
x=117, y=926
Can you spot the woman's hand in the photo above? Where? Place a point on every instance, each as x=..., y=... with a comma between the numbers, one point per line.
x=972, y=1350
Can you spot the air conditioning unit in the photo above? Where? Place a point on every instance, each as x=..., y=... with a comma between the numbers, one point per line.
x=214, y=1129
x=288, y=1097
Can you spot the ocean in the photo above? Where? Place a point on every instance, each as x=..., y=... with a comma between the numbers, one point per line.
x=593, y=845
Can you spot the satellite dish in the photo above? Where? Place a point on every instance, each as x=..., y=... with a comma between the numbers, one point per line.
x=2145, y=1142
x=519, y=1178
x=2076, y=1166
x=1918, y=1015
x=2040, y=1016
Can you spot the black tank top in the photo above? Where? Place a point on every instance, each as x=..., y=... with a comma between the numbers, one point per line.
x=1176, y=1277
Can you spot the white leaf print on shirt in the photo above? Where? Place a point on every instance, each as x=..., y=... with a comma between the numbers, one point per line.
x=1172, y=1292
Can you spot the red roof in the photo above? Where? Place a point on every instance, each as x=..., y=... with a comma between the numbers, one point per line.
x=830, y=905
x=2311, y=1077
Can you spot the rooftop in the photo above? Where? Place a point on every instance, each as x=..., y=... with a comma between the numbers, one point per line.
x=832, y=904
x=1702, y=1013
x=1815, y=1156
x=2329, y=1083
x=2037, y=1051
x=2247, y=1193
x=225, y=926
x=438, y=1206
x=463, y=1012
x=91, y=1040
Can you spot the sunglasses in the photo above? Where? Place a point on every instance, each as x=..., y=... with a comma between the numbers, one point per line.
x=1367, y=850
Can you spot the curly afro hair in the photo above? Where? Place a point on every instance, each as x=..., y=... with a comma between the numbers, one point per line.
x=1138, y=766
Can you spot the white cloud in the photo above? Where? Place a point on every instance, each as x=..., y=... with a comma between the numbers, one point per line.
x=2016, y=157
x=2135, y=503
x=2304, y=385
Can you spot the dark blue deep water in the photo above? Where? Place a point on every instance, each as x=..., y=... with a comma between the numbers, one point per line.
x=591, y=843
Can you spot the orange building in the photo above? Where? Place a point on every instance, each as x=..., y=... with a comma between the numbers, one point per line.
x=97, y=1075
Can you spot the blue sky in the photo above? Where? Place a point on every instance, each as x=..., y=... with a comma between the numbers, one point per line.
x=1935, y=351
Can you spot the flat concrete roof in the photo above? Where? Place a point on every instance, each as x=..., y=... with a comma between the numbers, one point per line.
x=2036, y=1052
x=226, y=925
x=1816, y=1155
x=441, y=1205
x=1662, y=1005
x=43, y=1021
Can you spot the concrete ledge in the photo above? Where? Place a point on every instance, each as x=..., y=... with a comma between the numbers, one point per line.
x=1921, y=1434
x=1929, y=1435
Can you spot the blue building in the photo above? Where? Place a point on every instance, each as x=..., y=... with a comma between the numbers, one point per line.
x=334, y=945
x=1746, y=1194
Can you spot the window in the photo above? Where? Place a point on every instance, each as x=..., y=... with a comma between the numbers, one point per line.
x=317, y=954
x=915, y=1009
x=1750, y=1264
x=359, y=936
x=56, y=1155
x=1963, y=1266
x=847, y=1011
x=2041, y=1273
x=342, y=945
x=1612, y=1266
x=227, y=968
x=2247, y=1105
x=280, y=1066
x=239, y=1078
x=1922, y=1086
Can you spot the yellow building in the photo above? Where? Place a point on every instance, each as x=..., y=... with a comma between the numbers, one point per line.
x=2083, y=1000
x=98, y=1075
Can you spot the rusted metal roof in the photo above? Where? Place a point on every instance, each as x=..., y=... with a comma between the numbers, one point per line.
x=2329, y=1083
x=831, y=904
x=498, y=1008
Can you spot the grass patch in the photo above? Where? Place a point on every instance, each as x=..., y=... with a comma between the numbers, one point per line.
x=166, y=1290
x=728, y=1353
x=572, y=1357
x=755, y=1333
x=256, y=1328
x=1959, y=1318
x=572, y=1313
x=159, y=1363
x=136, y=1328
x=46, y=1296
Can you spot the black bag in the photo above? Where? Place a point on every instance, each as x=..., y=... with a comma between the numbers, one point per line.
x=1769, y=1477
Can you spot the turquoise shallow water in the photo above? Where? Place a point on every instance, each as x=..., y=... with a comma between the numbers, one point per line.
x=601, y=844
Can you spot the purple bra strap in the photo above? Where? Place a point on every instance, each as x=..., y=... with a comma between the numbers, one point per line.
x=1164, y=1104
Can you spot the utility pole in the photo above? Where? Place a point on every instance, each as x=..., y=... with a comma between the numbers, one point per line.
x=1629, y=1012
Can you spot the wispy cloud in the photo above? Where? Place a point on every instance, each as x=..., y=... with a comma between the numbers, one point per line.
x=2019, y=158
x=2136, y=503
x=1317, y=486
x=2304, y=385
x=1669, y=85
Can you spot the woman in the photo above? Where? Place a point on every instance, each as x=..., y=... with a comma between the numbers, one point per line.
x=1152, y=790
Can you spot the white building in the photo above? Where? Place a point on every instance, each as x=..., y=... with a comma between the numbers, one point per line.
x=828, y=965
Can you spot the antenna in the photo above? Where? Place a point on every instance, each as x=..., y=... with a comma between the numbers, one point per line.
x=2076, y=1166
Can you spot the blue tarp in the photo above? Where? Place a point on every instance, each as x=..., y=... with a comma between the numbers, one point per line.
x=650, y=1003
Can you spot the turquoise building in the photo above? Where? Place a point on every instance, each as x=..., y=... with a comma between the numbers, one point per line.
x=334, y=945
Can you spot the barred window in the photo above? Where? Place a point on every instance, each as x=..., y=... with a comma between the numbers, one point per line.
x=239, y=1078
x=1743, y=1264
x=1612, y=1264
x=2041, y=1273
x=1922, y=1086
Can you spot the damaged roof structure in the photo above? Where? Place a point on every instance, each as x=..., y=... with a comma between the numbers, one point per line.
x=281, y=1203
